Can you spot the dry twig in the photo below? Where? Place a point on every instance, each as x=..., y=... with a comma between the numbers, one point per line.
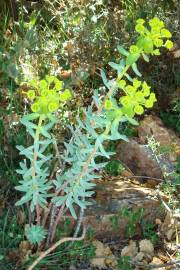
x=54, y=246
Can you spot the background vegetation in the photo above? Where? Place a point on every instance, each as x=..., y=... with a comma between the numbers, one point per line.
x=72, y=40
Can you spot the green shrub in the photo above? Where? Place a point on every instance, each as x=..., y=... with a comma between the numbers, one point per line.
x=74, y=186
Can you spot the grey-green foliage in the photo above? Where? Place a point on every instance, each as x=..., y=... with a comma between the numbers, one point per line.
x=35, y=234
x=35, y=183
x=86, y=144
x=87, y=139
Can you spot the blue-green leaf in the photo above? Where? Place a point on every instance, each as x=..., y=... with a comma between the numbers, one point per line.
x=135, y=69
x=122, y=51
x=146, y=58
x=104, y=78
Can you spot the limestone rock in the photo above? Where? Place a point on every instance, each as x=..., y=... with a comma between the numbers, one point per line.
x=138, y=158
x=156, y=261
x=131, y=250
x=169, y=227
x=146, y=246
x=139, y=257
x=153, y=126
x=103, y=256
x=99, y=253
x=112, y=197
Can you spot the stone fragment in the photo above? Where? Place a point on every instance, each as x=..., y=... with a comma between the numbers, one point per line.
x=98, y=253
x=153, y=126
x=139, y=257
x=103, y=256
x=141, y=160
x=131, y=250
x=146, y=246
x=138, y=158
x=112, y=197
x=156, y=261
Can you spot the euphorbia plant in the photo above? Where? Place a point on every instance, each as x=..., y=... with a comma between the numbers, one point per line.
x=49, y=199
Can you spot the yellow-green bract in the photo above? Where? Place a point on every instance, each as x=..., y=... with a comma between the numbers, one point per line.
x=47, y=95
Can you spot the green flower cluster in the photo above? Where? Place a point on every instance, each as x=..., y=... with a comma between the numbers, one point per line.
x=138, y=96
x=47, y=95
x=150, y=40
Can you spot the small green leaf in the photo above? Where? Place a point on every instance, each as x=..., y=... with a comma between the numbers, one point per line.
x=145, y=57
x=113, y=65
x=73, y=213
x=45, y=133
x=104, y=78
x=132, y=121
x=135, y=69
x=122, y=51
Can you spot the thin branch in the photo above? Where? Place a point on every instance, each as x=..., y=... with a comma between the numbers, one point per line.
x=57, y=192
x=78, y=226
x=51, y=221
x=38, y=214
x=53, y=207
x=46, y=214
x=53, y=228
x=53, y=247
x=146, y=177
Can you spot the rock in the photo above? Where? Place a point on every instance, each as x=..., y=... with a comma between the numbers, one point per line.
x=170, y=226
x=139, y=257
x=158, y=221
x=103, y=256
x=114, y=196
x=176, y=53
x=72, y=267
x=153, y=126
x=138, y=158
x=131, y=250
x=146, y=246
x=111, y=262
x=147, y=250
x=170, y=234
x=126, y=173
x=98, y=253
x=156, y=261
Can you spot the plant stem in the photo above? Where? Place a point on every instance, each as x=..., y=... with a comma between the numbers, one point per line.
x=78, y=226
x=33, y=164
x=110, y=92
x=53, y=229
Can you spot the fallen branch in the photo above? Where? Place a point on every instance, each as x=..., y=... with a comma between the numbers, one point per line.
x=145, y=177
x=54, y=246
